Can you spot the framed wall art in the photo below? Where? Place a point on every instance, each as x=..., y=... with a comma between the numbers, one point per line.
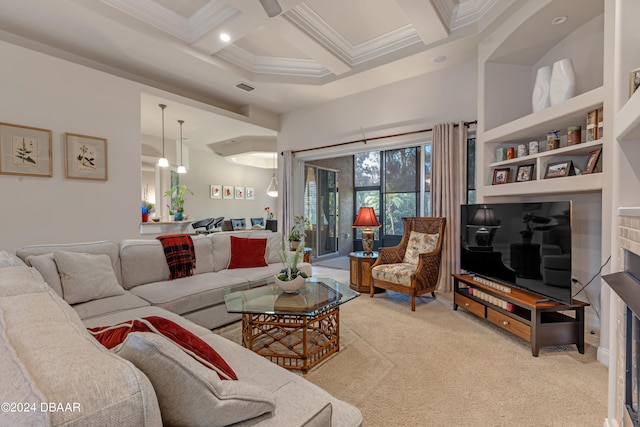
x=25, y=150
x=227, y=192
x=216, y=191
x=592, y=161
x=249, y=193
x=634, y=81
x=525, y=173
x=240, y=193
x=501, y=176
x=85, y=157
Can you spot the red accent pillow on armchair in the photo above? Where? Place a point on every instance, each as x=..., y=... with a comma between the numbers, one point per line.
x=111, y=336
x=247, y=253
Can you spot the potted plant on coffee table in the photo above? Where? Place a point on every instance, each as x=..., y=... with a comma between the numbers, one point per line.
x=290, y=278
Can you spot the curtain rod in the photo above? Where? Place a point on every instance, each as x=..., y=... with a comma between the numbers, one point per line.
x=365, y=140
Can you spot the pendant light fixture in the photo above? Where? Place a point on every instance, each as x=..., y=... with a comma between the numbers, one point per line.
x=181, y=168
x=273, y=187
x=163, y=162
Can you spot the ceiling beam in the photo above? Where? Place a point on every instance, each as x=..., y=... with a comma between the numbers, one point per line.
x=425, y=19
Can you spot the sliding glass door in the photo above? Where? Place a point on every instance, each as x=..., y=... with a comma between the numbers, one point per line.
x=321, y=208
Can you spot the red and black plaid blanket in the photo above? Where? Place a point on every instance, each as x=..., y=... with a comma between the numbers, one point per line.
x=180, y=254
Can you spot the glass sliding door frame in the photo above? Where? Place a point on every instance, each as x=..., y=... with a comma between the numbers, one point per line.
x=321, y=208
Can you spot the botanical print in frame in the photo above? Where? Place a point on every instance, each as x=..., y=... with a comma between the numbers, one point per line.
x=85, y=157
x=216, y=191
x=25, y=150
x=227, y=192
x=240, y=193
x=249, y=193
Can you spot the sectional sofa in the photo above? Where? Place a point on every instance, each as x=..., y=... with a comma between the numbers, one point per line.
x=61, y=375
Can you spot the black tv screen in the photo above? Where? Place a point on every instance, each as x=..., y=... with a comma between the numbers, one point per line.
x=527, y=245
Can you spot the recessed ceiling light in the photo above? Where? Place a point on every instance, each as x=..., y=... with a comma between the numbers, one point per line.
x=559, y=20
x=225, y=37
x=439, y=58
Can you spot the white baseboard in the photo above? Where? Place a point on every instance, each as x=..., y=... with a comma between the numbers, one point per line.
x=602, y=356
x=608, y=422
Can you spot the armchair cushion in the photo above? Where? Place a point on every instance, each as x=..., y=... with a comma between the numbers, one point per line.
x=399, y=274
x=419, y=243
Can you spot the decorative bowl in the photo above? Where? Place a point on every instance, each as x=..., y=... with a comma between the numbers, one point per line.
x=290, y=286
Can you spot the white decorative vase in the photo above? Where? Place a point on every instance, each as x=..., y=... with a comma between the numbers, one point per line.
x=290, y=286
x=563, y=81
x=540, y=98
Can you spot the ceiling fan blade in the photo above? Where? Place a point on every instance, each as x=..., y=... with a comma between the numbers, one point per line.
x=272, y=7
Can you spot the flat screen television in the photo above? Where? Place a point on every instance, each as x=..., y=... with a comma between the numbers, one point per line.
x=527, y=245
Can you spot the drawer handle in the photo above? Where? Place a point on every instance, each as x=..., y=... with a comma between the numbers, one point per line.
x=466, y=304
x=505, y=323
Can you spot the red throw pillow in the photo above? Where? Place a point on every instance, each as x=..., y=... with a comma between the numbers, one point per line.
x=111, y=336
x=247, y=253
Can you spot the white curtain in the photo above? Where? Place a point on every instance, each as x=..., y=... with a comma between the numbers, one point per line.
x=449, y=191
x=286, y=194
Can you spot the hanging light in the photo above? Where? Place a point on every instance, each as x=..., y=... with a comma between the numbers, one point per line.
x=181, y=168
x=273, y=187
x=163, y=162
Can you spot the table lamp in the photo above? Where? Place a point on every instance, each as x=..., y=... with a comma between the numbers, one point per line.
x=484, y=218
x=367, y=218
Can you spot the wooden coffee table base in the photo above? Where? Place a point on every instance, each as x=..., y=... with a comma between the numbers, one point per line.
x=292, y=341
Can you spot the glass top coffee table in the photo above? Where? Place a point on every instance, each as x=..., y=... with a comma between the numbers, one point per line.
x=294, y=330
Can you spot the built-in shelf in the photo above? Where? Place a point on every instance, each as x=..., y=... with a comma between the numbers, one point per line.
x=628, y=119
x=535, y=126
x=567, y=184
x=572, y=150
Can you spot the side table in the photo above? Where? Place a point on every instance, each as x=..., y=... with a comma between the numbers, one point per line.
x=360, y=271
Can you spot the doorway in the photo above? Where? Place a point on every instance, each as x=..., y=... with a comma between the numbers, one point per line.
x=321, y=209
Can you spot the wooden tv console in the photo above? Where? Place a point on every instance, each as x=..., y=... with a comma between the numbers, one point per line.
x=539, y=321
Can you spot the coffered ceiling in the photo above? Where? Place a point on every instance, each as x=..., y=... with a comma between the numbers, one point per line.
x=311, y=52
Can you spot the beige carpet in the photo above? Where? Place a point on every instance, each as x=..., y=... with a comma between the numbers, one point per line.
x=439, y=367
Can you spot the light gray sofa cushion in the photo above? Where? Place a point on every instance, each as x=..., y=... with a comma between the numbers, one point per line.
x=143, y=261
x=298, y=402
x=100, y=247
x=189, y=293
x=86, y=277
x=189, y=393
x=102, y=306
x=46, y=265
x=62, y=363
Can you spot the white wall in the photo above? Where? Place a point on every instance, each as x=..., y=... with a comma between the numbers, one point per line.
x=418, y=103
x=208, y=168
x=50, y=93
x=45, y=92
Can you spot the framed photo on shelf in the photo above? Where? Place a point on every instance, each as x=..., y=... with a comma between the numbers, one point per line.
x=525, y=173
x=25, y=150
x=216, y=191
x=592, y=161
x=240, y=193
x=85, y=157
x=249, y=193
x=501, y=176
x=634, y=81
x=227, y=192
x=558, y=169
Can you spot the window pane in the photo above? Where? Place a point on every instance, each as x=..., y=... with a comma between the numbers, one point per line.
x=471, y=164
x=400, y=171
x=398, y=205
x=366, y=169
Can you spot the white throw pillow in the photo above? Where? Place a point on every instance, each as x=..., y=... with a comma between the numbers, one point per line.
x=86, y=277
x=419, y=243
x=189, y=393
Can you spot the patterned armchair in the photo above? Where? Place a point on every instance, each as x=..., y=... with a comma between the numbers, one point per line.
x=413, y=266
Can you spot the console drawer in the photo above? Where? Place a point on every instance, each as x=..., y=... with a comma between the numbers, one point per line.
x=470, y=305
x=509, y=324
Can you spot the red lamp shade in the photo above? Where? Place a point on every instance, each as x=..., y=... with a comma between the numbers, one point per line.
x=367, y=218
